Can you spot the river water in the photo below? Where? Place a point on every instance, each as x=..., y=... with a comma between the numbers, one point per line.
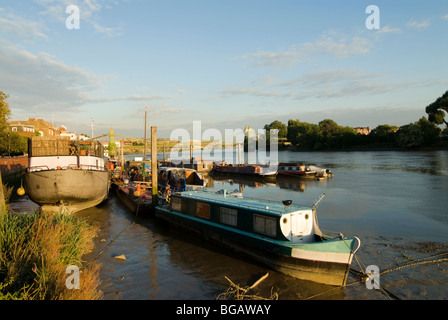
x=396, y=202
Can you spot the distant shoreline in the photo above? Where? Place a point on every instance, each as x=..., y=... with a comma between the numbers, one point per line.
x=441, y=145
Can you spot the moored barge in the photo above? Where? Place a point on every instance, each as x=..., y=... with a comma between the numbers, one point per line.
x=282, y=236
x=301, y=171
x=136, y=196
x=65, y=176
x=253, y=170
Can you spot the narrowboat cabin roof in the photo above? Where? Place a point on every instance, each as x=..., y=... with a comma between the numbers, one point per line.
x=266, y=206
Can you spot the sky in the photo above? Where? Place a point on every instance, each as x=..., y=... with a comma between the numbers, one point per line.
x=226, y=63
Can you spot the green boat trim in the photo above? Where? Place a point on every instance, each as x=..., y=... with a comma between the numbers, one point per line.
x=284, y=237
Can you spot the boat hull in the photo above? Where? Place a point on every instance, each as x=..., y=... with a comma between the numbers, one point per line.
x=325, y=262
x=141, y=204
x=73, y=189
x=251, y=170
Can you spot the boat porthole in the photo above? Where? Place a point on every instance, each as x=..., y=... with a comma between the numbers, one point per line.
x=285, y=220
x=306, y=216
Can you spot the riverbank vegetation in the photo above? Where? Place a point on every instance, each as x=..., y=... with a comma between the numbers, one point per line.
x=328, y=135
x=11, y=143
x=35, y=251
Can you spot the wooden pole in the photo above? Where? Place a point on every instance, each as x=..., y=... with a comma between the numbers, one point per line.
x=154, y=164
x=239, y=153
x=122, y=154
x=144, y=141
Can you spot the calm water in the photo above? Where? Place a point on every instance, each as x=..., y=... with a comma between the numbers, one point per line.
x=396, y=202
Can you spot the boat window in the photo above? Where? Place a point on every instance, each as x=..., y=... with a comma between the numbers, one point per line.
x=176, y=204
x=265, y=225
x=228, y=216
x=203, y=210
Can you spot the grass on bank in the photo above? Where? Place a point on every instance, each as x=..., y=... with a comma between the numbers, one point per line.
x=36, y=249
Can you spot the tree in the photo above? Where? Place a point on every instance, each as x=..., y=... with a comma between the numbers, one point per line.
x=436, y=110
x=383, y=133
x=5, y=111
x=281, y=127
x=303, y=134
x=417, y=134
x=11, y=143
x=328, y=128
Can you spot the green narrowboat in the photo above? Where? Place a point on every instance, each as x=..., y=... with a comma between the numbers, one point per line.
x=283, y=236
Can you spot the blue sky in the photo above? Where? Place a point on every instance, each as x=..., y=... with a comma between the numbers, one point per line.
x=227, y=63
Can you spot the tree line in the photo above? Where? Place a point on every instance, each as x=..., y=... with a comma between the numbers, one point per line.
x=11, y=143
x=328, y=135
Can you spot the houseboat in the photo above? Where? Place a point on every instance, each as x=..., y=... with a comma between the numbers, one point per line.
x=281, y=235
x=301, y=171
x=136, y=196
x=245, y=169
x=64, y=175
x=180, y=179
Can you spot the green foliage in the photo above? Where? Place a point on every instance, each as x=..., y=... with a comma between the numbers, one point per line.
x=383, y=133
x=13, y=143
x=416, y=134
x=5, y=111
x=328, y=135
x=436, y=110
x=276, y=125
x=35, y=250
x=304, y=134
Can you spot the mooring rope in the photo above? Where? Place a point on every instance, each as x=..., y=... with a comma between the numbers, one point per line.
x=417, y=263
x=363, y=276
x=110, y=243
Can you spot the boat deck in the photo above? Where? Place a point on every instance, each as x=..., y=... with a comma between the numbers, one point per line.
x=267, y=206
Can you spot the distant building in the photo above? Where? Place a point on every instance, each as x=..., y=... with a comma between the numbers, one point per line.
x=44, y=128
x=64, y=133
x=363, y=130
x=25, y=130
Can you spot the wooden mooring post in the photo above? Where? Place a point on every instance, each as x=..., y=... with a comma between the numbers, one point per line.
x=154, y=164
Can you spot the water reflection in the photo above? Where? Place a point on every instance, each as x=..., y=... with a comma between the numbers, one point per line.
x=163, y=263
x=388, y=199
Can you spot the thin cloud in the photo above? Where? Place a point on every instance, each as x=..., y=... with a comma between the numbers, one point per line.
x=418, y=25
x=339, y=48
x=134, y=97
x=388, y=29
x=41, y=82
x=12, y=24
x=328, y=76
x=89, y=13
x=253, y=92
x=321, y=84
